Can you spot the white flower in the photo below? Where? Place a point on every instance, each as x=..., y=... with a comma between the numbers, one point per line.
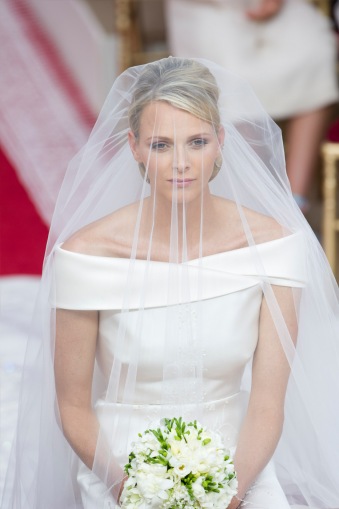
x=153, y=482
x=179, y=465
x=198, y=490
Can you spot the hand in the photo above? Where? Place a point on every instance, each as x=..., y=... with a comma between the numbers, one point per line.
x=235, y=503
x=266, y=9
x=122, y=487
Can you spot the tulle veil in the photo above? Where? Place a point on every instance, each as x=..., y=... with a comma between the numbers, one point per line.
x=102, y=180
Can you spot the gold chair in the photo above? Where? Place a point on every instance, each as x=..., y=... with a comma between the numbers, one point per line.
x=133, y=33
x=330, y=154
x=323, y=5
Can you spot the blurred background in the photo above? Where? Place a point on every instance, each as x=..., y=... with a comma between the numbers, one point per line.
x=58, y=60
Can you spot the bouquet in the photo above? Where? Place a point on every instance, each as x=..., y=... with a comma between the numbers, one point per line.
x=179, y=465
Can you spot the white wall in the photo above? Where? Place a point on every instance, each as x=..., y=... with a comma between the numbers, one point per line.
x=90, y=52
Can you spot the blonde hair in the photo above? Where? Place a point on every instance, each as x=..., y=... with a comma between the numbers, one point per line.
x=183, y=83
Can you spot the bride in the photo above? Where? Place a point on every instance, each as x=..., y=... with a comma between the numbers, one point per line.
x=197, y=290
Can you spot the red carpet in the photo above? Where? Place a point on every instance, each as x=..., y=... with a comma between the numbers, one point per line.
x=23, y=235
x=333, y=132
x=52, y=59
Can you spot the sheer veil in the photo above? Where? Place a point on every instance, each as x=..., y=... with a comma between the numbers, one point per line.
x=166, y=237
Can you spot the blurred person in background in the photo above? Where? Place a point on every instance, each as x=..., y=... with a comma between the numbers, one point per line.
x=287, y=51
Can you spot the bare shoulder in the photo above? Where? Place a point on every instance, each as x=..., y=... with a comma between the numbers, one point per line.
x=263, y=228
x=111, y=235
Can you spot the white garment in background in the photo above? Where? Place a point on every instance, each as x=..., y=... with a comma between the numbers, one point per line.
x=290, y=60
x=230, y=309
x=17, y=297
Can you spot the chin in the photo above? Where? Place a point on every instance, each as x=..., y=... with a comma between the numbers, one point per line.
x=186, y=198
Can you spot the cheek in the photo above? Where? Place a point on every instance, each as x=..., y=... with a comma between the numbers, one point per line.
x=158, y=161
x=205, y=159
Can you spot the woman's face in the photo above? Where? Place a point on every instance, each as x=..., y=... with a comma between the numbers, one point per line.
x=179, y=150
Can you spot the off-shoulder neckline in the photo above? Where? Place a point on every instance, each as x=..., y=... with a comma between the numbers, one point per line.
x=193, y=260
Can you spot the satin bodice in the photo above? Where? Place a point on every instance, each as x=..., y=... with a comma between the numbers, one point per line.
x=225, y=294
x=224, y=327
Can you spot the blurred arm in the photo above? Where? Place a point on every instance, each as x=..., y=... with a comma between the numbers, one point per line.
x=76, y=336
x=262, y=10
x=265, y=10
x=263, y=423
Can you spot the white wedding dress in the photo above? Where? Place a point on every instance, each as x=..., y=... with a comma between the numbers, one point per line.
x=231, y=300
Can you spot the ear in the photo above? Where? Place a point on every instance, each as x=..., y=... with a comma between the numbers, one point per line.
x=134, y=145
x=221, y=135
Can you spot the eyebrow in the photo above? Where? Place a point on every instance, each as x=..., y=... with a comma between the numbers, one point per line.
x=164, y=138
x=158, y=138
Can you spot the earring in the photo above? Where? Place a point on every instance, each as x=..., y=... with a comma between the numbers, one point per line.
x=216, y=169
x=142, y=170
x=218, y=164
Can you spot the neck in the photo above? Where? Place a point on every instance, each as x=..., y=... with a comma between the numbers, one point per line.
x=185, y=222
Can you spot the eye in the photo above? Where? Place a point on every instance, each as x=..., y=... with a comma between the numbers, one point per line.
x=199, y=142
x=159, y=146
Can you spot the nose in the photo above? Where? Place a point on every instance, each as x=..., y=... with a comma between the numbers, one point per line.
x=180, y=162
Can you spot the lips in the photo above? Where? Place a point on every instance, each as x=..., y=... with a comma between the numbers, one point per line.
x=181, y=181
